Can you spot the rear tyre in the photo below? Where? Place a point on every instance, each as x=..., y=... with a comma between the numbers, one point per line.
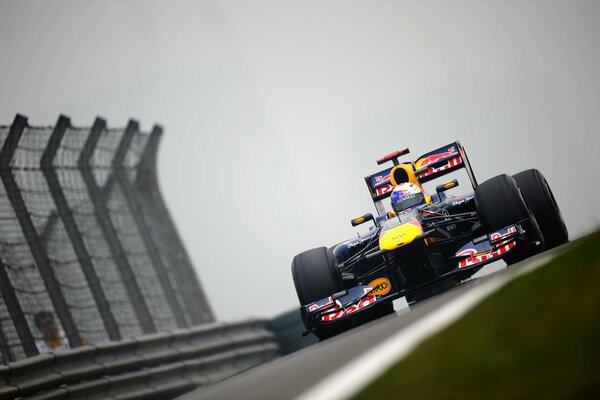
x=500, y=204
x=316, y=276
x=539, y=198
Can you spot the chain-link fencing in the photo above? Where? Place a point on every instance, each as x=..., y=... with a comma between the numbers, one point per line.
x=88, y=250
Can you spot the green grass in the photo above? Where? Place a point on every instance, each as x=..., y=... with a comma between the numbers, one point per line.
x=537, y=337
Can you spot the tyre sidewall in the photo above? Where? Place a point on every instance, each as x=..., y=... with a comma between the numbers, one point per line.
x=539, y=198
x=315, y=275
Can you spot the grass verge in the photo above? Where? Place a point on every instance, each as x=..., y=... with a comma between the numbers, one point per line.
x=537, y=337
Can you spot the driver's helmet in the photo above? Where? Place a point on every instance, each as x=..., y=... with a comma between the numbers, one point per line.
x=407, y=195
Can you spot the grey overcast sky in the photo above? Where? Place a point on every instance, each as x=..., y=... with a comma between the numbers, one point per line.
x=275, y=110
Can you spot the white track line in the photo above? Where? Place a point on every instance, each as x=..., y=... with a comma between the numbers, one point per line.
x=353, y=377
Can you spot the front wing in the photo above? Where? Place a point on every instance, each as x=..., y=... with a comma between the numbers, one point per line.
x=473, y=256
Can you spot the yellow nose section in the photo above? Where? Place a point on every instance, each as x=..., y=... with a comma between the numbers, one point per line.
x=400, y=235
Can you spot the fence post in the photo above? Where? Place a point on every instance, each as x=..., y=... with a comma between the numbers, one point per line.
x=66, y=216
x=146, y=182
x=35, y=243
x=5, y=351
x=108, y=230
x=11, y=300
x=16, y=314
x=135, y=208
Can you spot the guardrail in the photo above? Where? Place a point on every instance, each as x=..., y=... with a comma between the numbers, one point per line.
x=157, y=366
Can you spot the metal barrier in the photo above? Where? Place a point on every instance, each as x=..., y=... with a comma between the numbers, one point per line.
x=155, y=366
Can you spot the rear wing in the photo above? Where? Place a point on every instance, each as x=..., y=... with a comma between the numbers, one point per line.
x=442, y=161
x=427, y=167
x=380, y=188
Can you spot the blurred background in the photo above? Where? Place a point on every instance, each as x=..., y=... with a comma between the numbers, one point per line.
x=274, y=111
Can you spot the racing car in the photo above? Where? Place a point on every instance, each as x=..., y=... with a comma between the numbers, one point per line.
x=425, y=243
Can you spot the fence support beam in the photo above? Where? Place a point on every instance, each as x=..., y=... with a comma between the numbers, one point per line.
x=35, y=243
x=146, y=182
x=73, y=232
x=16, y=315
x=135, y=208
x=108, y=230
x=5, y=351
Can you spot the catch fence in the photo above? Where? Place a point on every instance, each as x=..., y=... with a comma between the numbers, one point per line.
x=86, y=241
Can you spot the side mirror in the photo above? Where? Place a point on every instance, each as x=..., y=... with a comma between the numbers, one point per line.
x=445, y=186
x=362, y=219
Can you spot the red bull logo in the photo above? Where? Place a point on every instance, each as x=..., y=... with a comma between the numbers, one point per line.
x=379, y=179
x=435, y=157
x=342, y=312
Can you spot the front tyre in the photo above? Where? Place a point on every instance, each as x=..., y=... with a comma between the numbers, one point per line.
x=539, y=198
x=500, y=204
x=316, y=276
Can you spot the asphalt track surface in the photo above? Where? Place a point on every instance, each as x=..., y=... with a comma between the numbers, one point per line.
x=288, y=377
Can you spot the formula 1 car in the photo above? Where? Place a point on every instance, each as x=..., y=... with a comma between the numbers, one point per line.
x=426, y=243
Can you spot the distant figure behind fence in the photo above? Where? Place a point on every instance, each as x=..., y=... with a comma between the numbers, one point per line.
x=52, y=338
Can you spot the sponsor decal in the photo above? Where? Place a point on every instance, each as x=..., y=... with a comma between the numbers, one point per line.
x=483, y=256
x=463, y=200
x=477, y=258
x=451, y=163
x=353, y=299
x=379, y=183
x=383, y=190
x=408, y=196
x=381, y=286
x=320, y=304
x=435, y=157
x=342, y=312
x=498, y=235
x=379, y=179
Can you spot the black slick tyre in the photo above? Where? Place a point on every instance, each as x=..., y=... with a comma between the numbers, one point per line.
x=500, y=204
x=315, y=277
x=539, y=198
